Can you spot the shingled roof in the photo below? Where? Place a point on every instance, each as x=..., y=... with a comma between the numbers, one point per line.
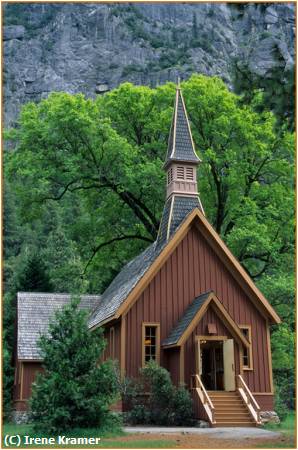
x=186, y=319
x=34, y=313
x=175, y=211
x=180, y=143
x=131, y=274
x=123, y=284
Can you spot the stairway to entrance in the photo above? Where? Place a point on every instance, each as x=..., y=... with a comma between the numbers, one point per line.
x=230, y=410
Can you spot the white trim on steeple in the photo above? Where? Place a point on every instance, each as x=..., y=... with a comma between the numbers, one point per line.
x=175, y=123
x=188, y=125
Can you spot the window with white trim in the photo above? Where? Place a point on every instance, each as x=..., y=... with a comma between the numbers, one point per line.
x=151, y=342
x=247, y=352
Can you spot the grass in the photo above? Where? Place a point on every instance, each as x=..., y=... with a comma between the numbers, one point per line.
x=287, y=428
x=106, y=436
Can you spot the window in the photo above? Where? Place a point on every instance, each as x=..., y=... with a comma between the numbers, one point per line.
x=151, y=342
x=247, y=352
x=180, y=173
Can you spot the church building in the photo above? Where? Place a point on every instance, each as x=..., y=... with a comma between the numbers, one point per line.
x=185, y=302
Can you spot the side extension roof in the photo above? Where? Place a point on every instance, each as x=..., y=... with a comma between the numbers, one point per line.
x=34, y=313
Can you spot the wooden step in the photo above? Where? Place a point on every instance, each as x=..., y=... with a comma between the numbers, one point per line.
x=235, y=410
x=232, y=420
x=232, y=416
x=228, y=402
x=230, y=410
x=222, y=392
x=224, y=396
x=234, y=424
x=230, y=413
x=227, y=399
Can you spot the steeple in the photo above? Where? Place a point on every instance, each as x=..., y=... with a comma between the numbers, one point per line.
x=181, y=164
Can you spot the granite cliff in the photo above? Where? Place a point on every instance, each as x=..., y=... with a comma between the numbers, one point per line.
x=91, y=48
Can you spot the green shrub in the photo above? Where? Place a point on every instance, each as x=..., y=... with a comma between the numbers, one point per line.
x=75, y=391
x=183, y=407
x=280, y=403
x=155, y=400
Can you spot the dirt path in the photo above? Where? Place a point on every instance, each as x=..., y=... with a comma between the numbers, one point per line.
x=195, y=441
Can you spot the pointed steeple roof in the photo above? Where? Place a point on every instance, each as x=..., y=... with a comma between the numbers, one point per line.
x=180, y=144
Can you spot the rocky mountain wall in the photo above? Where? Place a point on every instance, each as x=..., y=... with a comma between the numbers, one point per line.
x=91, y=48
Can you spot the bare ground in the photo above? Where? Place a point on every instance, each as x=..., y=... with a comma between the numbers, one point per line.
x=195, y=441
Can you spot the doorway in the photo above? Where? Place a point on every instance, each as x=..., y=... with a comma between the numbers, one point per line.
x=212, y=365
x=216, y=364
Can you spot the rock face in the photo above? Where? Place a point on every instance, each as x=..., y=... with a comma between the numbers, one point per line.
x=91, y=48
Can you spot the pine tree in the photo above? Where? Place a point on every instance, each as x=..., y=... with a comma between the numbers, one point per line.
x=64, y=263
x=75, y=390
x=34, y=277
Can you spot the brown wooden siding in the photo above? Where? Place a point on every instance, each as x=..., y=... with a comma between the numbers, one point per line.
x=266, y=402
x=192, y=269
x=172, y=357
x=113, y=353
x=30, y=371
x=199, y=410
x=24, y=379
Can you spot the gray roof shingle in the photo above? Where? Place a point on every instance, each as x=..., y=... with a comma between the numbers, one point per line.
x=122, y=285
x=182, y=206
x=180, y=137
x=34, y=313
x=132, y=273
x=186, y=319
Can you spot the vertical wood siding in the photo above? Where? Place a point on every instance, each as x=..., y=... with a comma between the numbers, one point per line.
x=108, y=352
x=30, y=370
x=266, y=402
x=171, y=363
x=192, y=269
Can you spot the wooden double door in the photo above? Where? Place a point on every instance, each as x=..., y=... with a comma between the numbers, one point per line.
x=216, y=364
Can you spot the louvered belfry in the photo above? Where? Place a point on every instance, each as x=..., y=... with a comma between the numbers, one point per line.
x=181, y=167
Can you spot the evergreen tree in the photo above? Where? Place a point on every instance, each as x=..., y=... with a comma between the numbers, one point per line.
x=64, y=263
x=75, y=390
x=8, y=376
x=34, y=277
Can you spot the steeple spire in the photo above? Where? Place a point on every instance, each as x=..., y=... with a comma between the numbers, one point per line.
x=180, y=144
x=180, y=165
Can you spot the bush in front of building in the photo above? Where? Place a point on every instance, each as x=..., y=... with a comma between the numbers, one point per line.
x=153, y=399
x=76, y=390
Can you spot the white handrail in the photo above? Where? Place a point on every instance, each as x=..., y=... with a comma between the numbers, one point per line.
x=205, y=399
x=249, y=399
